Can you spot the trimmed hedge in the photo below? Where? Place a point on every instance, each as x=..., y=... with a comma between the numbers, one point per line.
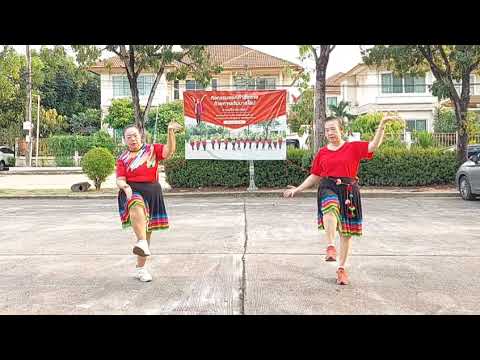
x=66, y=145
x=389, y=167
x=415, y=167
x=205, y=173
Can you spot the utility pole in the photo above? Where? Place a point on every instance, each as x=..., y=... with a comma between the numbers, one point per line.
x=28, y=115
x=38, y=130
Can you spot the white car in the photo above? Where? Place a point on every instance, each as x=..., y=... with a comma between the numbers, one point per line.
x=7, y=158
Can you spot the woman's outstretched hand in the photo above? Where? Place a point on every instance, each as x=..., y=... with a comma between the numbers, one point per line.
x=290, y=192
x=389, y=117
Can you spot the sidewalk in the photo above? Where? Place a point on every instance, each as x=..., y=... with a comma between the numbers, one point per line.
x=42, y=170
x=55, y=179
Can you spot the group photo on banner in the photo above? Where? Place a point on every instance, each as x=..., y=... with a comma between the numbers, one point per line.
x=235, y=125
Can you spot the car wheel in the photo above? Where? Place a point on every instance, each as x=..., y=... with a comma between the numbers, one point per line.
x=2, y=165
x=465, y=189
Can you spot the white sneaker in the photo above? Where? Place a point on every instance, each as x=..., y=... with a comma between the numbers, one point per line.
x=142, y=274
x=141, y=248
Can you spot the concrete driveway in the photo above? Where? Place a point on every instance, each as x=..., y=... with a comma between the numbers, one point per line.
x=228, y=255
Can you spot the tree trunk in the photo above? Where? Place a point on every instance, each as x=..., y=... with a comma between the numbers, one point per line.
x=129, y=61
x=319, y=108
x=139, y=122
x=152, y=93
x=461, y=115
x=461, y=110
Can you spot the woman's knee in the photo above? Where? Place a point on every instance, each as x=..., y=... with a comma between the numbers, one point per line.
x=137, y=213
x=329, y=216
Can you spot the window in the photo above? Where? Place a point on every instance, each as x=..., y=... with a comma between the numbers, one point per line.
x=145, y=84
x=176, y=90
x=260, y=83
x=416, y=125
x=392, y=84
x=331, y=101
x=244, y=84
x=415, y=84
x=214, y=84
x=458, y=87
x=121, y=86
x=194, y=85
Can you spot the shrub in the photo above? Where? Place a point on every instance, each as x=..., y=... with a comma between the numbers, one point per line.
x=171, y=111
x=64, y=161
x=98, y=163
x=414, y=167
x=393, y=142
x=120, y=113
x=63, y=147
x=446, y=122
x=103, y=139
x=389, y=167
x=367, y=124
x=85, y=123
x=423, y=139
x=204, y=173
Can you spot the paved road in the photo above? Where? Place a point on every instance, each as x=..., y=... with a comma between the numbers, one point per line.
x=239, y=256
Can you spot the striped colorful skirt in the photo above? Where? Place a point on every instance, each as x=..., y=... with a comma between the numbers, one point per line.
x=341, y=197
x=148, y=196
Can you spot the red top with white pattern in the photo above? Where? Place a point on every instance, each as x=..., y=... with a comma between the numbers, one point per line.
x=140, y=166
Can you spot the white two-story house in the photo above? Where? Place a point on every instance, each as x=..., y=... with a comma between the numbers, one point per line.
x=369, y=90
x=263, y=71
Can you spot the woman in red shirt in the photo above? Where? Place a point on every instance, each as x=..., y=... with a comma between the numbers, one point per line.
x=335, y=169
x=140, y=199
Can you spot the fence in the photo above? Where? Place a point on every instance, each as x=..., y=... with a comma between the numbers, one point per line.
x=441, y=140
x=445, y=139
x=21, y=147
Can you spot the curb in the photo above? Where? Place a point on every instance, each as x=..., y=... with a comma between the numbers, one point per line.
x=244, y=194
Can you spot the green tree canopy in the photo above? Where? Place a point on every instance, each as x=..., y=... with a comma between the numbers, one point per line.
x=66, y=87
x=120, y=113
x=184, y=60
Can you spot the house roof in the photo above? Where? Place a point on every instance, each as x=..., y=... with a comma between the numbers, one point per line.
x=333, y=84
x=227, y=56
x=474, y=102
x=355, y=70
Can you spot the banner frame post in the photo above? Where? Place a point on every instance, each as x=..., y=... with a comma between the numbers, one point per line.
x=252, y=186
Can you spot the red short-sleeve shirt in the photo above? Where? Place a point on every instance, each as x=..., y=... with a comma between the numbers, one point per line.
x=343, y=162
x=143, y=167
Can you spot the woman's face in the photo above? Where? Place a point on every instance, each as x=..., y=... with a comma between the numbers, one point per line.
x=132, y=138
x=333, y=132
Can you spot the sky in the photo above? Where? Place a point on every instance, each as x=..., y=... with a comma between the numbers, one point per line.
x=342, y=59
